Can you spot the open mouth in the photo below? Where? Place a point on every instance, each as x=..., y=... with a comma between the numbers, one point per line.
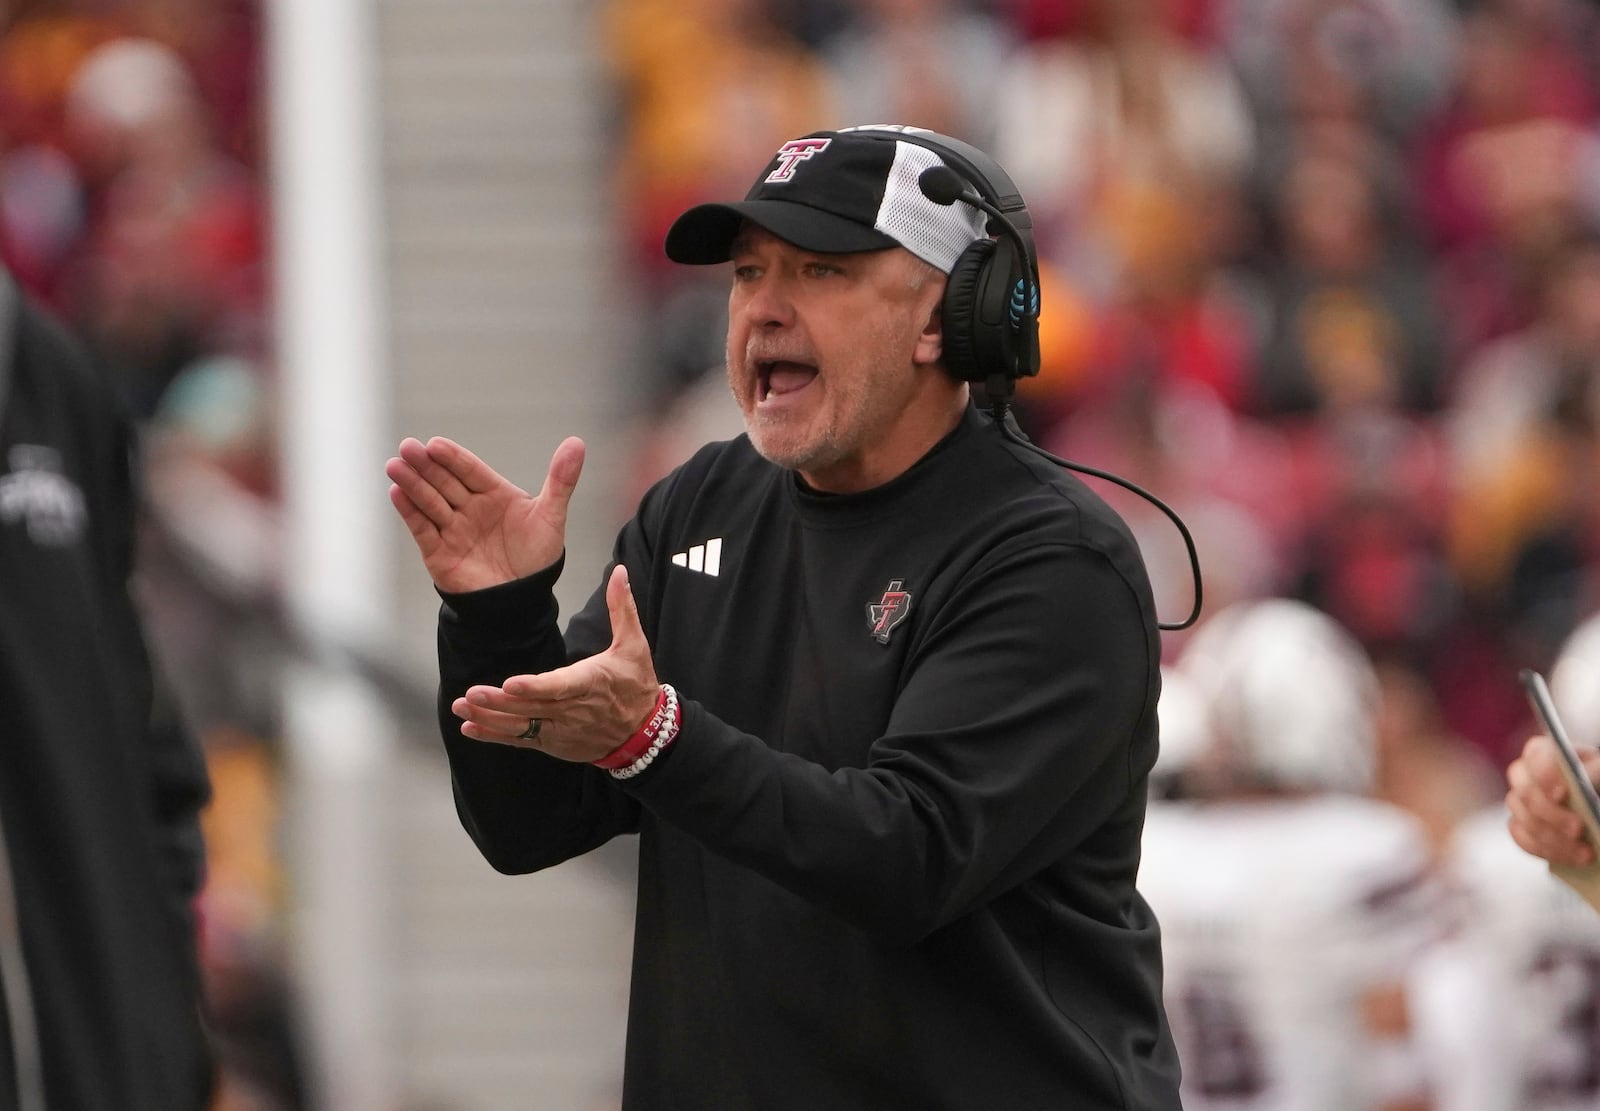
x=778, y=377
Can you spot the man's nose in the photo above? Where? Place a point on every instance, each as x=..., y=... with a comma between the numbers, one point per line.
x=769, y=304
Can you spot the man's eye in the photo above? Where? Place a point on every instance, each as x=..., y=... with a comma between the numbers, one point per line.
x=820, y=269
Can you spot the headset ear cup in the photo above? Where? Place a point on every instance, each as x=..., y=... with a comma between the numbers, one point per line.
x=962, y=357
x=996, y=329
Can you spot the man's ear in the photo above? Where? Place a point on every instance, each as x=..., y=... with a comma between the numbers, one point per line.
x=930, y=341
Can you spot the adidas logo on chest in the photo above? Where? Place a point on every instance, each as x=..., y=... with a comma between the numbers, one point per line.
x=705, y=559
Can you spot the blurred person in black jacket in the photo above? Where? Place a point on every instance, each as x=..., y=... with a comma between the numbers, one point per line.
x=100, y=789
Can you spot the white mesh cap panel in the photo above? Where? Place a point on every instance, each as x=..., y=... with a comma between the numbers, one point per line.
x=935, y=233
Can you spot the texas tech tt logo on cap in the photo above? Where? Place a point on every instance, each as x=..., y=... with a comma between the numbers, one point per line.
x=794, y=152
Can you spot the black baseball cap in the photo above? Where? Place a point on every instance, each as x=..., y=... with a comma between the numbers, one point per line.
x=837, y=192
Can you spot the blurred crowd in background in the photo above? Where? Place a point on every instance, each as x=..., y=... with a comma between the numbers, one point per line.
x=1323, y=274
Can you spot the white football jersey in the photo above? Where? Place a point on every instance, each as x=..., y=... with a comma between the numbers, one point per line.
x=1283, y=921
x=1514, y=998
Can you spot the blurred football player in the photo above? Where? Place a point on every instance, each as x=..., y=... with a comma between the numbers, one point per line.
x=1182, y=764
x=1516, y=993
x=1293, y=908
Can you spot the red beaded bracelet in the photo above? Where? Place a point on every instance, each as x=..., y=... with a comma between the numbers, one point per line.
x=638, y=744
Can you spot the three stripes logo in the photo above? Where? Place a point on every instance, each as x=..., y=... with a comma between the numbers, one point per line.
x=704, y=558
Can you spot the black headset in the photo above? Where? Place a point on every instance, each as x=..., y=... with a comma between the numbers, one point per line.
x=991, y=301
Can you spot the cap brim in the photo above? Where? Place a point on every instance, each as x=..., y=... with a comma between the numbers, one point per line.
x=705, y=233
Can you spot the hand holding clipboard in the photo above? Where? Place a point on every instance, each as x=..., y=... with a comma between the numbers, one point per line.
x=1581, y=795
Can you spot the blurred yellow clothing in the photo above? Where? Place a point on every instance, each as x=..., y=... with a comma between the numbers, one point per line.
x=1499, y=511
x=1066, y=341
x=708, y=94
x=40, y=56
x=244, y=873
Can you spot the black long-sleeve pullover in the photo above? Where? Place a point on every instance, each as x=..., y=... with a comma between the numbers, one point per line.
x=889, y=862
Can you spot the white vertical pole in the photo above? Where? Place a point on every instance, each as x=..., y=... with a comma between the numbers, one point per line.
x=334, y=399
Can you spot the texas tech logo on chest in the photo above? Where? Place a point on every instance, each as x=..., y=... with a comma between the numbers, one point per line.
x=884, y=615
x=794, y=152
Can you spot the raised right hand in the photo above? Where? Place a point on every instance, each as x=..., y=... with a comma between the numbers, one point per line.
x=1536, y=796
x=473, y=528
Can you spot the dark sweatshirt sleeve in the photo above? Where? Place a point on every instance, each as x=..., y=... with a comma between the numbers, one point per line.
x=180, y=790
x=1023, y=729
x=524, y=810
x=179, y=785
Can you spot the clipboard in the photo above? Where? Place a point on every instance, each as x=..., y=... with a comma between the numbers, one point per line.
x=1581, y=794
